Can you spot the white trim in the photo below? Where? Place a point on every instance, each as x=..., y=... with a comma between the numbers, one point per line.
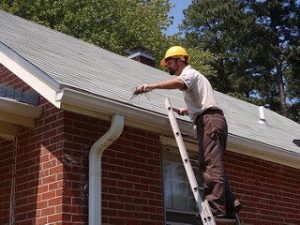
x=263, y=151
x=16, y=119
x=249, y=148
x=18, y=113
x=29, y=73
x=96, y=104
x=141, y=54
x=19, y=108
x=8, y=130
x=167, y=141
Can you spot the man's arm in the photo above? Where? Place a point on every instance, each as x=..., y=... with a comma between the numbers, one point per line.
x=175, y=83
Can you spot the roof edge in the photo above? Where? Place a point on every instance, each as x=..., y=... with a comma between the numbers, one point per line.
x=101, y=105
x=263, y=151
x=29, y=73
x=18, y=113
x=19, y=108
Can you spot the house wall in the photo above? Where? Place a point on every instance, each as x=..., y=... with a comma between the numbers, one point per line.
x=269, y=192
x=52, y=170
x=52, y=175
x=38, y=171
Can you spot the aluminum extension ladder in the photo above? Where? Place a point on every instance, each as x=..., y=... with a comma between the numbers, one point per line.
x=205, y=213
x=203, y=206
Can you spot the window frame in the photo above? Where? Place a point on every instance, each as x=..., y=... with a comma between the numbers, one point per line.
x=186, y=217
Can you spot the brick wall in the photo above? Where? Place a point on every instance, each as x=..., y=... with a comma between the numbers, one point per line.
x=5, y=179
x=132, y=191
x=52, y=175
x=7, y=78
x=131, y=173
x=52, y=170
x=39, y=172
x=270, y=192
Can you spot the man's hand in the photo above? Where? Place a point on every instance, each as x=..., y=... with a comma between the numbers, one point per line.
x=181, y=111
x=174, y=83
x=143, y=89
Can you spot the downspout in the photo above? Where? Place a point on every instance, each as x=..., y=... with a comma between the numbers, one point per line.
x=95, y=190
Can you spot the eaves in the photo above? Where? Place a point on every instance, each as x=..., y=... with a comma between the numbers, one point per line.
x=89, y=104
x=14, y=114
x=96, y=106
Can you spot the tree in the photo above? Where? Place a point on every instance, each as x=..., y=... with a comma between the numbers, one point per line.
x=280, y=22
x=204, y=28
x=256, y=47
x=111, y=24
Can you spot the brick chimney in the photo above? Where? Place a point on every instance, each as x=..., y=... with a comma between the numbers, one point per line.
x=142, y=55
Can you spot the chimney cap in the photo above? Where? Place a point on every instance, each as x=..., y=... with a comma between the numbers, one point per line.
x=296, y=142
x=140, y=51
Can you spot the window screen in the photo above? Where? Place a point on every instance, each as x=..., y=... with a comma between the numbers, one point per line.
x=179, y=203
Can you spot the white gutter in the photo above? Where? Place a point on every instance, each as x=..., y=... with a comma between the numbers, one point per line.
x=97, y=149
x=19, y=113
x=263, y=151
x=68, y=97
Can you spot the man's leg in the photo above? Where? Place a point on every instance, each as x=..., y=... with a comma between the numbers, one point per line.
x=212, y=136
x=233, y=205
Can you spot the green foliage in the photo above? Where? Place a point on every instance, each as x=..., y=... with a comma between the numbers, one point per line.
x=201, y=60
x=111, y=24
x=255, y=46
x=294, y=111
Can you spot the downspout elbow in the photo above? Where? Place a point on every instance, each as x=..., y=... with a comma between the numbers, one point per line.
x=95, y=155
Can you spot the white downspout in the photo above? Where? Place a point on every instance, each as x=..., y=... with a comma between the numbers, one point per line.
x=95, y=155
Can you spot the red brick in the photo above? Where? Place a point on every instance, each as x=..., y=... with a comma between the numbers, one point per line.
x=41, y=221
x=55, y=218
x=49, y=195
x=131, y=174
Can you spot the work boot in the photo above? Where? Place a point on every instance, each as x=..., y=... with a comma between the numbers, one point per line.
x=224, y=216
x=237, y=206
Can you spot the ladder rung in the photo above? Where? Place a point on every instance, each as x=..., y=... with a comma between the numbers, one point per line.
x=225, y=221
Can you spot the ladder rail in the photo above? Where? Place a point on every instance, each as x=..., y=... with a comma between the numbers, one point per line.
x=203, y=206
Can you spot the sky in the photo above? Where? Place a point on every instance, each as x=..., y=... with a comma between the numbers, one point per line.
x=177, y=13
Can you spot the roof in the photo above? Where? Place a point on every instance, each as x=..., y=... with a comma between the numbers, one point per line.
x=63, y=62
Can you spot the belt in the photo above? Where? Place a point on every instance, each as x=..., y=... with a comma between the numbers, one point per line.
x=210, y=111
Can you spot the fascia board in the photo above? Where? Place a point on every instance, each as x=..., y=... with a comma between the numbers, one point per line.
x=8, y=129
x=19, y=108
x=101, y=105
x=249, y=148
x=16, y=119
x=18, y=113
x=263, y=151
x=30, y=74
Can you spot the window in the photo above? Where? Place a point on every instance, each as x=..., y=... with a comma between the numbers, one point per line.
x=180, y=206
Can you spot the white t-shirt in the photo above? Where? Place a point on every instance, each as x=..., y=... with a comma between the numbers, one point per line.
x=199, y=95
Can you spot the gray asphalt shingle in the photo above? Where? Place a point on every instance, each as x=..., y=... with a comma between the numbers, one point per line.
x=77, y=64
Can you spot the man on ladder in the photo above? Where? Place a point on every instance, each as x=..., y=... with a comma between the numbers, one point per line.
x=211, y=128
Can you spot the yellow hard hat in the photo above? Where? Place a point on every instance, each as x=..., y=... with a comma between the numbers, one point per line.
x=174, y=52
